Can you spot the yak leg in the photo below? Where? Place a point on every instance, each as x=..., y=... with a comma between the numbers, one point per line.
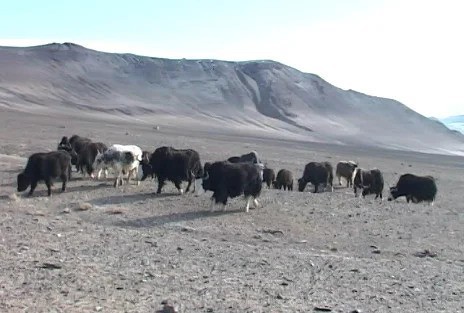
x=103, y=170
x=212, y=205
x=256, y=203
x=247, y=207
x=178, y=185
x=118, y=179
x=191, y=179
x=81, y=168
x=189, y=184
x=316, y=188
x=221, y=196
x=48, y=182
x=89, y=170
x=64, y=178
x=136, y=175
x=160, y=184
x=135, y=171
x=129, y=174
x=69, y=172
x=33, y=186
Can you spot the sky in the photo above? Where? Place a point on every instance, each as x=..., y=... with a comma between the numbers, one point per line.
x=410, y=50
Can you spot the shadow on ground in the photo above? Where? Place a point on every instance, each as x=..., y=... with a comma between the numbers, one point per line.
x=160, y=220
x=56, y=190
x=130, y=198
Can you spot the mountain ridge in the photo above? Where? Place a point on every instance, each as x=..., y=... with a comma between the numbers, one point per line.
x=262, y=95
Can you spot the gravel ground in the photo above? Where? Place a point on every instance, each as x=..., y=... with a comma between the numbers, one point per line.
x=97, y=248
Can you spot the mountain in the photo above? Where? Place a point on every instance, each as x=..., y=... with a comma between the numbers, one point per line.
x=263, y=97
x=454, y=123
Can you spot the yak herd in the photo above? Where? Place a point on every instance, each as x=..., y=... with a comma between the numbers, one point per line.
x=236, y=176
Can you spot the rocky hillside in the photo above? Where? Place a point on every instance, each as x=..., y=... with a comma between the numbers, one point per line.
x=253, y=96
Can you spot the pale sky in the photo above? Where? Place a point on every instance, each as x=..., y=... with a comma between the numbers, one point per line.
x=411, y=51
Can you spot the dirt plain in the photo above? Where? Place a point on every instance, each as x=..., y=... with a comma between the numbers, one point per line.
x=95, y=248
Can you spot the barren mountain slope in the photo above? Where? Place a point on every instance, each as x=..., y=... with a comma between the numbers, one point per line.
x=259, y=96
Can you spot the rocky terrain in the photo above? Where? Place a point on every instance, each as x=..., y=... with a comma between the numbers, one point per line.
x=98, y=249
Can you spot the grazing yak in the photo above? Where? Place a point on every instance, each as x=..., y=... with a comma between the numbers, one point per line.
x=230, y=180
x=87, y=156
x=414, y=188
x=369, y=181
x=330, y=171
x=71, y=152
x=316, y=173
x=284, y=180
x=122, y=159
x=64, y=144
x=145, y=164
x=345, y=169
x=251, y=157
x=268, y=176
x=175, y=165
x=75, y=143
x=45, y=166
